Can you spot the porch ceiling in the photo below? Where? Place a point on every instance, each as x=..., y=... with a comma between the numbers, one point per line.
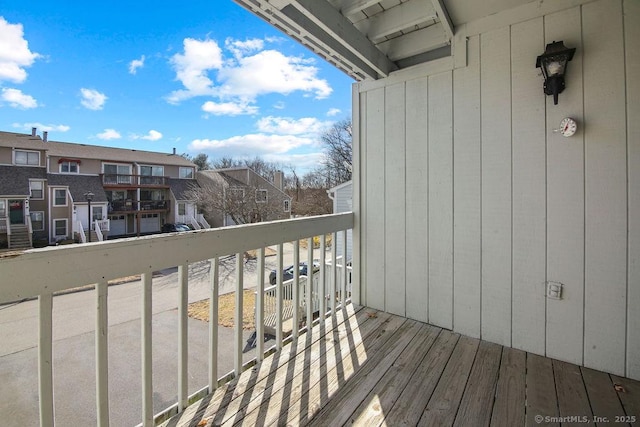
x=368, y=39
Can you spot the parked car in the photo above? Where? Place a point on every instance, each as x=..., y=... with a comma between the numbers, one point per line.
x=287, y=273
x=173, y=228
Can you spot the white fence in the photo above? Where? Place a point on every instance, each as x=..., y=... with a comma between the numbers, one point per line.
x=334, y=287
x=42, y=272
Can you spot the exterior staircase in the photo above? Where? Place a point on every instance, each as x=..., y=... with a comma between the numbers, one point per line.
x=19, y=238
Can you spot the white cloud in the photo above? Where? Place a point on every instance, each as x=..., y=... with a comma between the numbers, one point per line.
x=252, y=144
x=14, y=52
x=286, y=125
x=153, y=135
x=279, y=105
x=42, y=127
x=270, y=71
x=302, y=162
x=229, y=108
x=109, y=134
x=135, y=64
x=240, y=48
x=92, y=99
x=249, y=72
x=191, y=68
x=333, y=112
x=17, y=99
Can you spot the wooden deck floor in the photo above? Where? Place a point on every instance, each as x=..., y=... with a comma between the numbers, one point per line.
x=371, y=368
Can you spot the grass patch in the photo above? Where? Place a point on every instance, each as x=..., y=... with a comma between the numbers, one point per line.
x=226, y=308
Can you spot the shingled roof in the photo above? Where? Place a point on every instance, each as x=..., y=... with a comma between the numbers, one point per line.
x=14, y=180
x=79, y=185
x=88, y=151
x=179, y=187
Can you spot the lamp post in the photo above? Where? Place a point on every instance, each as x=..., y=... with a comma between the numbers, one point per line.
x=89, y=197
x=554, y=66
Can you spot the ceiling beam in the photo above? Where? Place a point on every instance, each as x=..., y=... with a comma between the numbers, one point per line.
x=415, y=43
x=357, y=6
x=398, y=18
x=445, y=20
x=338, y=27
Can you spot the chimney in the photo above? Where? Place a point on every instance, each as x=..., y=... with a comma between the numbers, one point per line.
x=174, y=151
x=45, y=134
x=33, y=131
x=278, y=180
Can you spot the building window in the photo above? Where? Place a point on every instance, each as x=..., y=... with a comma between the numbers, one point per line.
x=182, y=209
x=117, y=174
x=3, y=208
x=37, y=221
x=60, y=228
x=186, y=173
x=261, y=196
x=287, y=206
x=69, y=167
x=29, y=158
x=97, y=213
x=37, y=189
x=59, y=197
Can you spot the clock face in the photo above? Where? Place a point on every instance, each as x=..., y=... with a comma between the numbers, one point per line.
x=568, y=127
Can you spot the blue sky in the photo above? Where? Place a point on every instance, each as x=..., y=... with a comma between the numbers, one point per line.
x=200, y=76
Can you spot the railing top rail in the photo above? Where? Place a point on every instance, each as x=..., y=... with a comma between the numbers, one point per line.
x=55, y=269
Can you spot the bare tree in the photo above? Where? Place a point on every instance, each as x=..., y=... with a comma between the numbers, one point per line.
x=337, y=141
x=222, y=197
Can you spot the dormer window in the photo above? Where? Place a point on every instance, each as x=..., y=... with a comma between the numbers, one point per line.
x=69, y=166
x=28, y=158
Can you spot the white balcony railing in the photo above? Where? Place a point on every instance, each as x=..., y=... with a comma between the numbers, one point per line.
x=42, y=272
x=98, y=230
x=270, y=295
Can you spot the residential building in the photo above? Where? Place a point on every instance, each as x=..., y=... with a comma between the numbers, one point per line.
x=44, y=186
x=239, y=195
x=342, y=197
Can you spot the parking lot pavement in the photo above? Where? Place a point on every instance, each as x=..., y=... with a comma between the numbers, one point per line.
x=74, y=373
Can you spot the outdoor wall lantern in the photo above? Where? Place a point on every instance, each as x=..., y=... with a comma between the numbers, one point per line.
x=554, y=66
x=89, y=197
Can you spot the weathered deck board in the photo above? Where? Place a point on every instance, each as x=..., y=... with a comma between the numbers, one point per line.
x=386, y=392
x=602, y=396
x=371, y=368
x=572, y=396
x=541, y=391
x=477, y=401
x=508, y=409
x=443, y=405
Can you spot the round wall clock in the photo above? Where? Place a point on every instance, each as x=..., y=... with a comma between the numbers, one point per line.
x=568, y=127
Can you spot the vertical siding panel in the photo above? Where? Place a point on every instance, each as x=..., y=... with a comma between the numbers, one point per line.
x=529, y=188
x=374, y=198
x=359, y=277
x=466, y=192
x=632, y=41
x=416, y=193
x=440, y=204
x=565, y=199
x=606, y=192
x=394, y=189
x=496, y=186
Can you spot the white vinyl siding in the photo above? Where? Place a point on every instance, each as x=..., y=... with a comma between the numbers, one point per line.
x=497, y=204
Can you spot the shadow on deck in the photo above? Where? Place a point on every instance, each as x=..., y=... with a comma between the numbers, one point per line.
x=370, y=368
